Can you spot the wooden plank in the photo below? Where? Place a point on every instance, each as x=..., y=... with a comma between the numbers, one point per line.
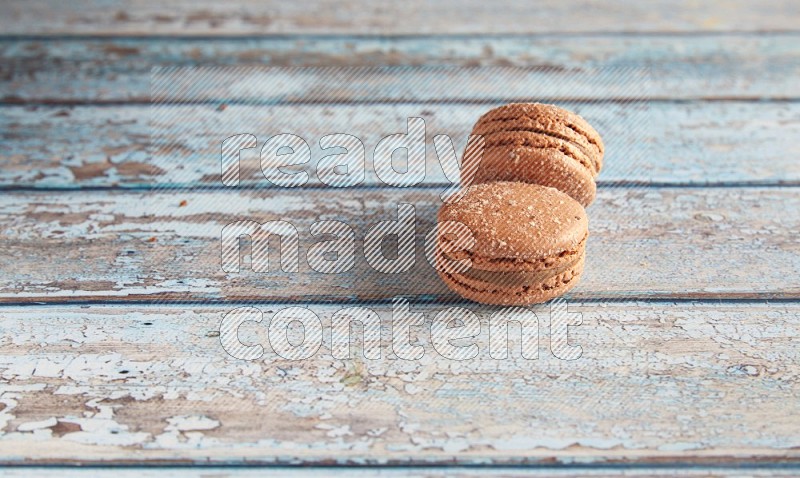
x=411, y=472
x=265, y=85
x=657, y=383
x=646, y=143
x=251, y=17
x=118, y=69
x=165, y=245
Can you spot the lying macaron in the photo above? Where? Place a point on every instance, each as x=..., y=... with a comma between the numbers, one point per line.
x=539, y=144
x=528, y=246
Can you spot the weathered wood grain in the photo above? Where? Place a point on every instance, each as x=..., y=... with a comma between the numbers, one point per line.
x=118, y=69
x=657, y=383
x=178, y=147
x=133, y=246
x=251, y=17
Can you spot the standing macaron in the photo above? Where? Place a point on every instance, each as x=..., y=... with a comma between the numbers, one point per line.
x=528, y=243
x=538, y=144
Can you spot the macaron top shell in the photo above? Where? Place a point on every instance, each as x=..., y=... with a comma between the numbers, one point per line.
x=518, y=226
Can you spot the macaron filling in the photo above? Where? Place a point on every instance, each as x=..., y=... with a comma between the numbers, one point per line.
x=511, y=279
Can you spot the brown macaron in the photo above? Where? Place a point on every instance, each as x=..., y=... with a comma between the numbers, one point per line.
x=538, y=144
x=529, y=243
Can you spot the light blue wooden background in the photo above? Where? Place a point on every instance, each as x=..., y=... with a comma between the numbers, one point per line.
x=110, y=299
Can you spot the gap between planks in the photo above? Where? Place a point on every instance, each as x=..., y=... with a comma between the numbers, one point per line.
x=409, y=471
